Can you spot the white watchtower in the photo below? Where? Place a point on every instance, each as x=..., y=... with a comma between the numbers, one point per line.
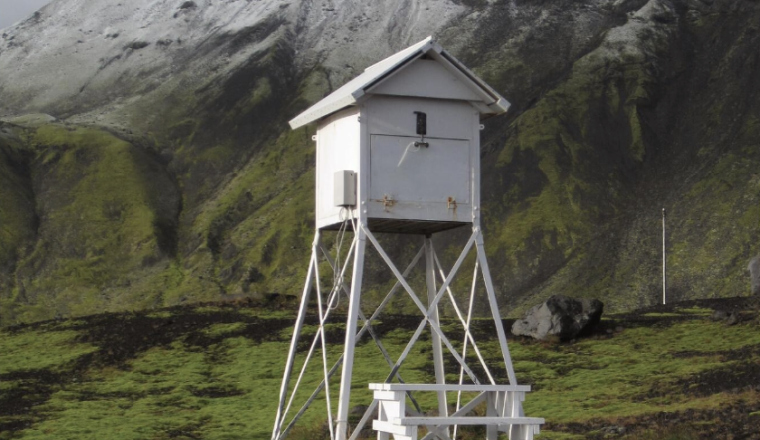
x=398, y=151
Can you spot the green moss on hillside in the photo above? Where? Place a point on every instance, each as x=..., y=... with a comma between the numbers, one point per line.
x=18, y=220
x=565, y=161
x=107, y=211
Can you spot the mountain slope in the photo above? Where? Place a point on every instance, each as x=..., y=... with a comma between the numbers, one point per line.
x=620, y=108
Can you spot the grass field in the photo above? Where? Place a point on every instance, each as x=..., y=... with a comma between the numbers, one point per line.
x=214, y=371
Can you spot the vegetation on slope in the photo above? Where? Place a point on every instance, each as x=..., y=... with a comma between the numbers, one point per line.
x=18, y=222
x=213, y=371
x=107, y=213
x=619, y=109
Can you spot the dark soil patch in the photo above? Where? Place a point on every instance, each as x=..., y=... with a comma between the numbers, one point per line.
x=746, y=352
x=746, y=307
x=215, y=392
x=121, y=337
x=730, y=422
x=734, y=378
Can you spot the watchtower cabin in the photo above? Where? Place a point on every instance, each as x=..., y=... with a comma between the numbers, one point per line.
x=401, y=141
x=398, y=151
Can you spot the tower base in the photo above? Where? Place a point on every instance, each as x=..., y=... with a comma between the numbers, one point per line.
x=503, y=406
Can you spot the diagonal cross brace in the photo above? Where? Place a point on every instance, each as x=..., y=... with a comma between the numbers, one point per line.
x=368, y=322
x=338, y=363
x=433, y=304
x=465, y=324
x=332, y=298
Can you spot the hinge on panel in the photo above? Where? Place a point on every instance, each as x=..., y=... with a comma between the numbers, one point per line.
x=451, y=203
x=387, y=202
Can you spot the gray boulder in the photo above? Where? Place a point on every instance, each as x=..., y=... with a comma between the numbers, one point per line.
x=754, y=274
x=560, y=317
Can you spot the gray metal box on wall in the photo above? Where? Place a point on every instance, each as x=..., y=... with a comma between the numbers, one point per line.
x=345, y=188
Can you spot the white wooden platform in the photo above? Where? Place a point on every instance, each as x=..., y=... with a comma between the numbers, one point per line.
x=503, y=412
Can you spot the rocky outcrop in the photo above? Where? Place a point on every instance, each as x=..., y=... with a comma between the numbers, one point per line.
x=754, y=275
x=560, y=317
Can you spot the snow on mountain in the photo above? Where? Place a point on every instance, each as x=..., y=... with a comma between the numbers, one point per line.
x=76, y=56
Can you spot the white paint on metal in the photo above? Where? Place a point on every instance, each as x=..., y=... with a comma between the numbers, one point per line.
x=472, y=420
x=351, y=326
x=337, y=150
x=501, y=402
x=394, y=116
x=293, y=344
x=304, y=303
x=465, y=323
x=321, y=331
x=368, y=322
x=438, y=367
x=447, y=387
x=350, y=93
x=426, y=79
x=427, y=312
x=494, y=306
x=473, y=289
x=425, y=184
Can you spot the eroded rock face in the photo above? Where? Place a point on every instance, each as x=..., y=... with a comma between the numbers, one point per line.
x=559, y=317
x=754, y=274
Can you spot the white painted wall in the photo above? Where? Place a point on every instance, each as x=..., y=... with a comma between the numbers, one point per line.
x=338, y=146
x=437, y=183
x=426, y=79
x=420, y=185
x=395, y=116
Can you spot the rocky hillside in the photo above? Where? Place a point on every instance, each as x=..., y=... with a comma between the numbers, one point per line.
x=146, y=160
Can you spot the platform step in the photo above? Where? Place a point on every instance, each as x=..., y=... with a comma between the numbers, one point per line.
x=471, y=420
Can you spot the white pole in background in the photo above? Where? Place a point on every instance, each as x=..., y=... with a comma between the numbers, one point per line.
x=664, y=265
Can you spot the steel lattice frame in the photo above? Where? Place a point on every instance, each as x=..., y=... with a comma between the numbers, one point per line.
x=338, y=423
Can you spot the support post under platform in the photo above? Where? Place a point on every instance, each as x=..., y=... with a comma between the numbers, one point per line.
x=341, y=426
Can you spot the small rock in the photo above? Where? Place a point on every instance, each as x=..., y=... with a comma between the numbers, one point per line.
x=358, y=410
x=612, y=431
x=137, y=45
x=719, y=315
x=733, y=318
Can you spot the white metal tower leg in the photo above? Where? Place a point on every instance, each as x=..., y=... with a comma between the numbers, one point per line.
x=440, y=374
x=294, y=340
x=351, y=326
x=494, y=306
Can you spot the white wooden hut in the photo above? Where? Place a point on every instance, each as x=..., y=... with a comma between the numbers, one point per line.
x=407, y=129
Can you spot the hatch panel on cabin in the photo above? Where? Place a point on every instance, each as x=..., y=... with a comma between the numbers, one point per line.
x=404, y=173
x=445, y=119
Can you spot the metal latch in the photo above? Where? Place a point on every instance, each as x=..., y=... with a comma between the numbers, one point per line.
x=451, y=203
x=387, y=202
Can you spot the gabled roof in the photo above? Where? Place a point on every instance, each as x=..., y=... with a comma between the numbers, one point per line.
x=352, y=92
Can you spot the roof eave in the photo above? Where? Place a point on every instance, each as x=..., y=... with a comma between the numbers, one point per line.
x=500, y=106
x=307, y=117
